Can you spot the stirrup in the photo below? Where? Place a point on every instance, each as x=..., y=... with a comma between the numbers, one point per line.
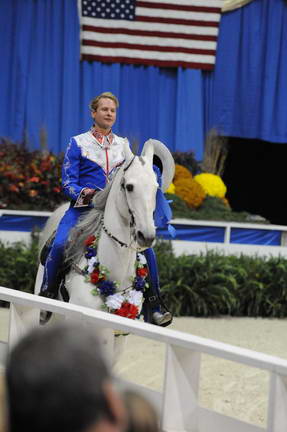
x=162, y=319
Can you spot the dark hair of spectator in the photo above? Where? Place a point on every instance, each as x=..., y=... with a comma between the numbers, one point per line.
x=55, y=381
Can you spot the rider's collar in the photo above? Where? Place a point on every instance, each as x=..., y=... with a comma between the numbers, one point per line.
x=104, y=141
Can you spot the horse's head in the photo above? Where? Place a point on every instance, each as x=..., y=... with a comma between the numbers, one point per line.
x=138, y=187
x=131, y=201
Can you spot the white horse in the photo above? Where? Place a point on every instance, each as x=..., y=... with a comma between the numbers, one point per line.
x=127, y=225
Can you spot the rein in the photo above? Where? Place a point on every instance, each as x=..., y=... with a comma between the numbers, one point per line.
x=122, y=244
x=129, y=164
x=132, y=223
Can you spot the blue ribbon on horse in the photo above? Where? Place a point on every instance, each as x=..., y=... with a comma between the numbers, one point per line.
x=162, y=213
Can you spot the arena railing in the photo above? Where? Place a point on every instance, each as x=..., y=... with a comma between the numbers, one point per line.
x=178, y=402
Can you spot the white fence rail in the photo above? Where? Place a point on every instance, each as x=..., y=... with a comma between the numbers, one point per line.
x=179, y=246
x=178, y=402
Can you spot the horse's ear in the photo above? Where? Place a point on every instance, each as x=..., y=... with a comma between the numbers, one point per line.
x=128, y=153
x=148, y=150
x=159, y=155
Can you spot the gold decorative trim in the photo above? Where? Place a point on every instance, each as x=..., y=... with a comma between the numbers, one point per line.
x=230, y=5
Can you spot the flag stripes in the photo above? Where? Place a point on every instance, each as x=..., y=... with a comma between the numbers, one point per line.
x=165, y=33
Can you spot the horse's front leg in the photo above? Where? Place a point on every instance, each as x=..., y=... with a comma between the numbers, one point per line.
x=80, y=294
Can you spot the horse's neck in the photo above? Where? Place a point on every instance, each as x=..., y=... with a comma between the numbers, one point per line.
x=119, y=260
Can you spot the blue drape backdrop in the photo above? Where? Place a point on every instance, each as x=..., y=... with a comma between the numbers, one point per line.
x=246, y=95
x=44, y=85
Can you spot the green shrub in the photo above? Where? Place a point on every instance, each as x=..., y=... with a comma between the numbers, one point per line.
x=192, y=285
x=214, y=284
x=19, y=264
x=212, y=208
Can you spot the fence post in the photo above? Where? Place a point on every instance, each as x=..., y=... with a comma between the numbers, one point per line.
x=277, y=412
x=21, y=320
x=181, y=386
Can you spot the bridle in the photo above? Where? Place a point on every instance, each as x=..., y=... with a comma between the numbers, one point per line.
x=132, y=220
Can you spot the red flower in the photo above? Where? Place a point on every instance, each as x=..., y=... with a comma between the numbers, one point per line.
x=95, y=276
x=90, y=240
x=142, y=272
x=34, y=180
x=127, y=310
x=56, y=189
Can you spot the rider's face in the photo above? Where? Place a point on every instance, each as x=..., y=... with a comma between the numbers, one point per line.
x=105, y=115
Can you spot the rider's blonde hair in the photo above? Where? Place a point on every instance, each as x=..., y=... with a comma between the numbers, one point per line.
x=95, y=102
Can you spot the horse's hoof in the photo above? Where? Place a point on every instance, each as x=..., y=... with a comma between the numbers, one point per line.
x=162, y=320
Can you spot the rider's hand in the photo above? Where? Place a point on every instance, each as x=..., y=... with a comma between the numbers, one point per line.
x=88, y=193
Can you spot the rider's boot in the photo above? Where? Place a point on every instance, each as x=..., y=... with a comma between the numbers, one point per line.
x=159, y=314
x=49, y=289
x=45, y=316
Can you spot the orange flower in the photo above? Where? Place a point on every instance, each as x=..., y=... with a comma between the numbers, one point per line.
x=13, y=188
x=56, y=189
x=33, y=193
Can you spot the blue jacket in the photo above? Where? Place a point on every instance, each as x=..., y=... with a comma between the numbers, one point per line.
x=90, y=163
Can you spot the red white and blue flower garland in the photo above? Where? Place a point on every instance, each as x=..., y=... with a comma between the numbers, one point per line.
x=126, y=303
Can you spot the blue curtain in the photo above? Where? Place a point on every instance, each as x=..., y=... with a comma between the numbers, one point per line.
x=44, y=85
x=246, y=95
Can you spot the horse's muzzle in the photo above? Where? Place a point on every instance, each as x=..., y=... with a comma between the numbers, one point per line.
x=144, y=241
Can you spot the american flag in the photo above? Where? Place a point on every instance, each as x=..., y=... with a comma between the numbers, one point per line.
x=166, y=33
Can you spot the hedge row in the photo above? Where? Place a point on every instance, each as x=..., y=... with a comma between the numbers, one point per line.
x=213, y=284
x=204, y=286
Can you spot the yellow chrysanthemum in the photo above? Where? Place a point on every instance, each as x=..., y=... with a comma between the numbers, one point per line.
x=212, y=184
x=190, y=191
x=181, y=173
x=170, y=189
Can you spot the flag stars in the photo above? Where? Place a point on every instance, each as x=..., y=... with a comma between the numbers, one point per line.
x=109, y=9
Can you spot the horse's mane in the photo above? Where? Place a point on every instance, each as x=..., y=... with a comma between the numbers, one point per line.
x=89, y=224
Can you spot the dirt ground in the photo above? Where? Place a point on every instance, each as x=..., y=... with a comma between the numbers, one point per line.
x=226, y=387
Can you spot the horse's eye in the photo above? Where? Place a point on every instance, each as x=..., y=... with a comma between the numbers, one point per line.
x=129, y=187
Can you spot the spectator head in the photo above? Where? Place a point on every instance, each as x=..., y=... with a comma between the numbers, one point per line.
x=57, y=381
x=141, y=415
